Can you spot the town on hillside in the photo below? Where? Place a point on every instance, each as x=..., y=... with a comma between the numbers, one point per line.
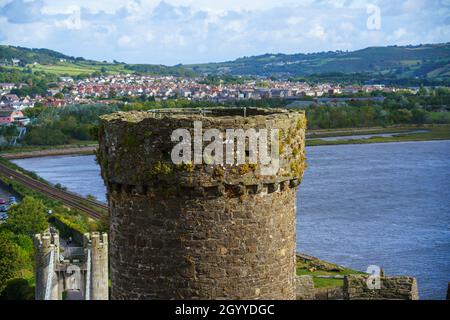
x=109, y=88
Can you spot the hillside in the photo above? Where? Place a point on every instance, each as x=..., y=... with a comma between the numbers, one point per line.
x=60, y=64
x=27, y=55
x=426, y=61
x=430, y=62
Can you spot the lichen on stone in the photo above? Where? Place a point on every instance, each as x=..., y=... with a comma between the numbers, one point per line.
x=160, y=168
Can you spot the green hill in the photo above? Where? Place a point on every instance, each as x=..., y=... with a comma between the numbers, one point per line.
x=423, y=62
x=56, y=63
x=27, y=56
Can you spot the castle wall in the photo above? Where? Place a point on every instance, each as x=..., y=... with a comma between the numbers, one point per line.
x=98, y=244
x=44, y=244
x=199, y=231
x=392, y=288
x=304, y=288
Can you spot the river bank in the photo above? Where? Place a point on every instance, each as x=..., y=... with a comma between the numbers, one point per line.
x=58, y=151
x=378, y=135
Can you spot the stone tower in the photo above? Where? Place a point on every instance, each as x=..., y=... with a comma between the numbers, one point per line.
x=199, y=231
x=46, y=247
x=98, y=245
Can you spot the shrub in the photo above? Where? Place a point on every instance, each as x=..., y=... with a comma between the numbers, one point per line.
x=18, y=289
x=28, y=217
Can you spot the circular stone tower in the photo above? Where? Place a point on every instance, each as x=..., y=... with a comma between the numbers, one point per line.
x=200, y=231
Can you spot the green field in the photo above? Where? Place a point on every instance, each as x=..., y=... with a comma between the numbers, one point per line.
x=74, y=69
x=317, y=268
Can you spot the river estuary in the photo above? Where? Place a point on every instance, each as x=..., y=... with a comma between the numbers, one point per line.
x=358, y=205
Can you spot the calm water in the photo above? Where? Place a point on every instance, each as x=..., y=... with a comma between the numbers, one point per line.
x=381, y=204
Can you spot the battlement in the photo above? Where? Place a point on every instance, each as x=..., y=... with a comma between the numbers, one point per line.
x=96, y=240
x=135, y=148
x=220, y=113
x=45, y=240
x=219, y=189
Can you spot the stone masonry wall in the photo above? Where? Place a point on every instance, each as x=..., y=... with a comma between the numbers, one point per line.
x=392, y=288
x=199, y=231
x=44, y=244
x=304, y=289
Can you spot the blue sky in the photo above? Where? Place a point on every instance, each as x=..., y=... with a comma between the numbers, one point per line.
x=191, y=31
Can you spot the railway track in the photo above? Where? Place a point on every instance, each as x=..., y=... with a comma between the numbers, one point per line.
x=92, y=208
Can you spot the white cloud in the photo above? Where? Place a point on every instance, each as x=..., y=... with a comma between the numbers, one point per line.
x=317, y=32
x=295, y=20
x=347, y=26
x=399, y=33
x=149, y=36
x=412, y=5
x=173, y=40
x=124, y=41
x=201, y=30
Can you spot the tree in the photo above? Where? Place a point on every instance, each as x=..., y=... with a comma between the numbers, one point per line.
x=9, y=133
x=18, y=289
x=401, y=116
x=112, y=94
x=28, y=217
x=45, y=136
x=9, y=253
x=419, y=116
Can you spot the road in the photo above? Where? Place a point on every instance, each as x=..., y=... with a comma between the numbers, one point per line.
x=91, y=207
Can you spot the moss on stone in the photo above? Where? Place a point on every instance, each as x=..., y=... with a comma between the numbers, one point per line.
x=218, y=172
x=298, y=166
x=130, y=142
x=189, y=167
x=244, y=168
x=160, y=168
x=302, y=123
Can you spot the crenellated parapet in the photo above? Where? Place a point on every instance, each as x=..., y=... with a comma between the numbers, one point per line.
x=135, y=148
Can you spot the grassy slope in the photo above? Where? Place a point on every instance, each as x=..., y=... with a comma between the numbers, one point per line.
x=423, y=61
x=317, y=267
x=74, y=69
x=427, y=60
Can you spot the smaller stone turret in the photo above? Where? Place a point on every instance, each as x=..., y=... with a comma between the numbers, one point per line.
x=98, y=245
x=44, y=245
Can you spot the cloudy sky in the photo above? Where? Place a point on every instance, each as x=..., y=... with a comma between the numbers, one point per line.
x=189, y=31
